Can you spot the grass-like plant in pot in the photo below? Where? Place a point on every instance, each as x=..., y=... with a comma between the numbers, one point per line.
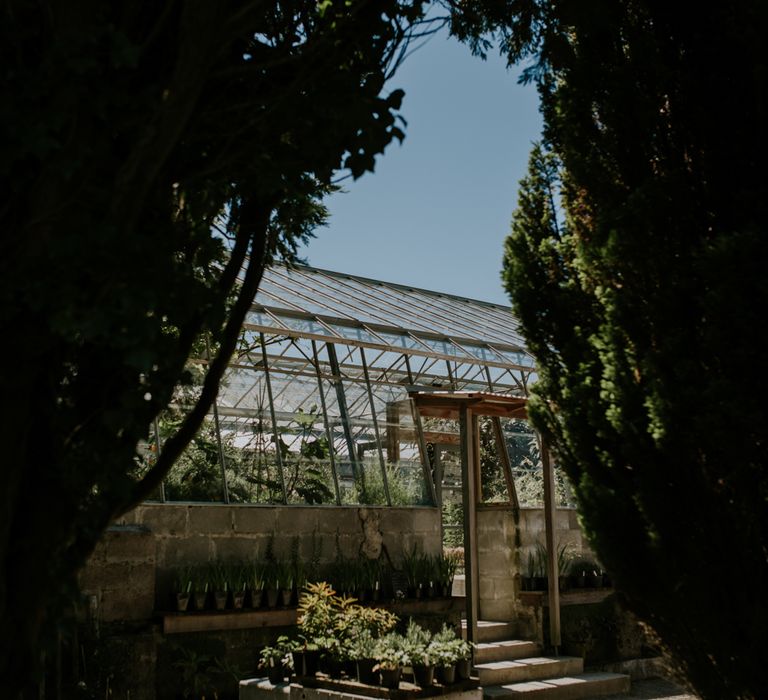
x=257, y=583
x=445, y=566
x=416, y=569
x=218, y=576
x=182, y=588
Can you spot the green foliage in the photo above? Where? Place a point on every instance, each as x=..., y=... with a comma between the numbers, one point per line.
x=636, y=267
x=149, y=151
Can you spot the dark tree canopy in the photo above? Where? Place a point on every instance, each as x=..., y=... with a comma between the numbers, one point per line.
x=129, y=132
x=645, y=307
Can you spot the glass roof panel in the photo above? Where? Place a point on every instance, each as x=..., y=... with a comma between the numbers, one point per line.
x=368, y=301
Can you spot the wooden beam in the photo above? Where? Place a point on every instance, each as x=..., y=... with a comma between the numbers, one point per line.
x=501, y=447
x=469, y=496
x=549, y=525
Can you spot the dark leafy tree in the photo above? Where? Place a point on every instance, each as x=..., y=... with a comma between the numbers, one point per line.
x=645, y=311
x=129, y=131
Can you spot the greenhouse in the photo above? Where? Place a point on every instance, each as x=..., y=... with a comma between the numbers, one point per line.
x=319, y=405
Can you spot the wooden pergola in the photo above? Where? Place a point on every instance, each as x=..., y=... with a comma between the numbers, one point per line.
x=467, y=407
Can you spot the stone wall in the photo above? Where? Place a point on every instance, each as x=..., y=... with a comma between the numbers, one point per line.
x=503, y=548
x=122, y=652
x=129, y=575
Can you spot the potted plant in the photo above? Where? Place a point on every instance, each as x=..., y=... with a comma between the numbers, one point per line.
x=360, y=650
x=273, y=660
x=390, y=656
x=200, y=587
x=316, y=618
x=183, y=588
x=415, y=566
x=239, y=583
x=256, y=577
x=419, y=650
x=447, y=649
x=218, y=576
x=284, y=582
x=445, y=565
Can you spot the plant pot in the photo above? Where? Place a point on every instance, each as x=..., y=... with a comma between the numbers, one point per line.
x=562, y=582
x=182, y=602
x=311, y=662
x=463, y=669
x=579, y=580
x=423, y=674
x=298, y=663
x=390, y=677
x=285, y=597
x=257, y=595
x=365, y=672
x=198, y=599
x=446, y=675
x=238, y=600
x=361, y=596
x=220, y=599
x=446, y=591
x=272, y=596
x=276, y=674
x=540, y=583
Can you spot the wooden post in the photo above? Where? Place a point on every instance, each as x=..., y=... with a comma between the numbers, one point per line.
x=501, y=447
x=469, y=466
x=552, y=571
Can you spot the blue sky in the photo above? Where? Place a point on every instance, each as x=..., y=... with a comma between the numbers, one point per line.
x=436, y=211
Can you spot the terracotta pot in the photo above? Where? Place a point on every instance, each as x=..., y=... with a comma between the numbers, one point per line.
x=198, y=599
x=220, y=599
x=272, y=596
x=257, y=595
x=182, y=602
x=238, y=600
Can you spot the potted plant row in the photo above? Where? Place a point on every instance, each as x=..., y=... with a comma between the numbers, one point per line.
x=578, y=572
x=235, y=586
x=429, y=576
x=339, y=637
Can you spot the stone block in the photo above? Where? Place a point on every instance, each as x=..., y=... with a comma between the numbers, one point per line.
x=423, y=520
x=172, y=552
x=298, y=521
x=496, y=609
x=127, y=604
x=164, y=519
x=129, y=543
x=241, y=549
x=254, y=520
x=498, y=562
x=210, y=520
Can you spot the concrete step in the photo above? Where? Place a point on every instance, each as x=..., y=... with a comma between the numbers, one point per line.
x=529, y=669
x=508, y=649
x=490, y=631
x=576, y=687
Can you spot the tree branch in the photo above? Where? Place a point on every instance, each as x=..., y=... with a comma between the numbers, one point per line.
x=255, y=220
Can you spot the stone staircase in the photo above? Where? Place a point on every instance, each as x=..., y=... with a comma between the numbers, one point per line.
x=510, y=668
